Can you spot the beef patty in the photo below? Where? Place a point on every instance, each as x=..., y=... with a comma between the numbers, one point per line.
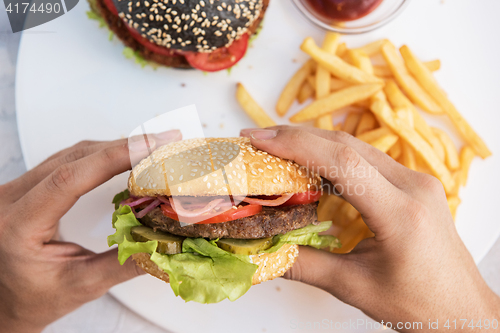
x=119, y=28
x=269, y=222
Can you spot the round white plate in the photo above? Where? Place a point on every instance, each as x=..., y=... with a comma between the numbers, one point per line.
x=73, y=84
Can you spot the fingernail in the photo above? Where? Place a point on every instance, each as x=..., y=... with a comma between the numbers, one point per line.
x=246, y=131
x=142, y=145
x=168, y=135
x=263, y=135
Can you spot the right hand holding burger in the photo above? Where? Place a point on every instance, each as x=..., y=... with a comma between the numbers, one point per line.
x=416, y=268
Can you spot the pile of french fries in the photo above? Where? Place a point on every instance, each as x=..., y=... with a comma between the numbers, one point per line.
x=383, y=92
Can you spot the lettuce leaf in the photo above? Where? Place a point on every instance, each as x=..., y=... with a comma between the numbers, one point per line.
x=130, y=53
x=203, y=272
x=120, y=197
x=123, y=221
x=91, y=14
x=308, y=236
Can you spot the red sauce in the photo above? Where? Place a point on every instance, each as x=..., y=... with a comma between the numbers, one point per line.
x=343, y=10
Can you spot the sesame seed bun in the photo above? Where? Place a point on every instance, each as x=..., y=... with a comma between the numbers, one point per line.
x=190, y=25
x=119, y=26
x=218, y=166
x=271, y=265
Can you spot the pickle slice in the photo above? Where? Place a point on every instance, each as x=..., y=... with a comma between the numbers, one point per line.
x=245, y=246
x=167, y=243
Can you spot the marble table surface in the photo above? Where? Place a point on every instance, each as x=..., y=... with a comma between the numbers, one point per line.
x=104, y=314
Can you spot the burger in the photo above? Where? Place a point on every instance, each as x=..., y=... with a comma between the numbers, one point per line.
x=215, y=216
x=209, y=35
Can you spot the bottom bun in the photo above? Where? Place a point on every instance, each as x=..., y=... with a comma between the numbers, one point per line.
x=271, y=265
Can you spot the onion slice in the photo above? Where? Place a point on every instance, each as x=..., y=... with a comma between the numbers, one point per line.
x=136, y=202
x=263, y=202
x=181, y=211
x=149, y=208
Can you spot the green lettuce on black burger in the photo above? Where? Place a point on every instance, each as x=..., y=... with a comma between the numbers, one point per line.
x=214, y=216
x=209, y=35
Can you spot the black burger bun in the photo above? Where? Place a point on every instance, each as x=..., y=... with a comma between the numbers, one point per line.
x=191, y=26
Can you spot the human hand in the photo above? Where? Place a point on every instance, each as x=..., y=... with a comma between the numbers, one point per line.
x=416, y=268
x=41, y=278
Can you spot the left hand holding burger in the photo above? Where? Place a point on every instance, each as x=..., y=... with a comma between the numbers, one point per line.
x=41, y=278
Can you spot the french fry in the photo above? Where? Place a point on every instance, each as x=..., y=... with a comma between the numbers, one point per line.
x=396, y=150
x=322, y=86
x=408, y=156
x=349, y=213
x=427, y=80
x=422, y=148
x=424, y=168
x=311, y=79
x=360, y=60
x=336, y=101
x=433, y=65
x=341, y=50
x=375, y=134
x=384, y=71
x=453, y=203
x=365, y=104
x=416, y=93
x=336, y=84
x=335, y=65
x=385, y=143
x=351, y=122
x=330, y=44
x=456, y=176
x=399, y=100
x=366, y=123
x=306, y=92
x=372, y=48
x=351, y=235
x=324, y=122
x=466, y=157
x=253, y=110
x=328, y=206
x=452, y=160
x=406, y=115
x=292, y=88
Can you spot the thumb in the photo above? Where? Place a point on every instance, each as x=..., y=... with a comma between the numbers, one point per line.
x=109, y=272
x=322, y=269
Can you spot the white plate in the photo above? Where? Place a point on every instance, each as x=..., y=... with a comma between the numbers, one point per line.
x=73, y=84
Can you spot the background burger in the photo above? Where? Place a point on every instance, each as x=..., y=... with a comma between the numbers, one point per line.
x=214, y=216
x=209, y=35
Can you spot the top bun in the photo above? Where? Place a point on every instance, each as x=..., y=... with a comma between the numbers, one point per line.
x=218, y=166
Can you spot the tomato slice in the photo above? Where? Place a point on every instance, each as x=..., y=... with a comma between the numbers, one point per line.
x=111, y=7
x=229, y=215
x=303, y=198
x=143, y=41
x=152, y=46
x=221, y=58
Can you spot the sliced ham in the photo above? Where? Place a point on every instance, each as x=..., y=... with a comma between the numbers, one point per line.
x=269, y=202
x=183, y=211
